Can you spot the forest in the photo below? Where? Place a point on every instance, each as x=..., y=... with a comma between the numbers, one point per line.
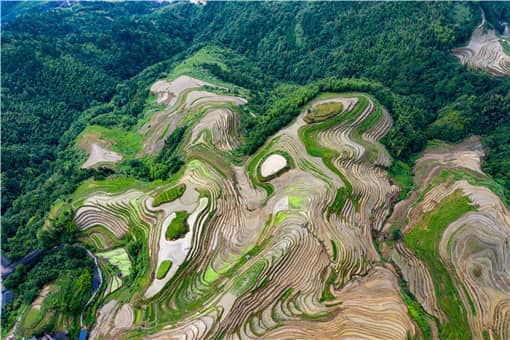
x=72, y=66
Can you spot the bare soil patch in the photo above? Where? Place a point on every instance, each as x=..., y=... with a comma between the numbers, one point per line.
x=99, y=154
x=45, y=291
x=168, y=92
x=272, y=165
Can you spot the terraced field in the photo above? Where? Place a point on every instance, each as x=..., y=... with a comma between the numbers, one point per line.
x=455, y=248
x=281, y=245
x=485, y=50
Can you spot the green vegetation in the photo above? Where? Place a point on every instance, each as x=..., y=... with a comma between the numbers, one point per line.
x=163, y=269
x=125, y=142
x=335, y=250
x=283, y=107
x=424, y=241
x=119, y=258
x=326, y=293
x=59, y=227
x=211, y=275
x=401, y=174
x=253, y=171
x=100, y=81
x=161, y=167
x=416, y=311
x=247, y=280
x=178, y=227
x=374, y=117
x=170, y=195
x=32, y=318
x=474, y=178
x=497, y=162
x=296, y=202
x=496, y=14
x=113, y=185
x=289, y=165
x=505, y=43
x=396, y=234
x=339, y=201
x=323, y=112
x=309, y=136
x=70, y=269
x=286, y=294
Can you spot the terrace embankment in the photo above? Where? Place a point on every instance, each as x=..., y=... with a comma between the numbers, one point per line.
x=280, y=245
x=485, y=51
x=455, y=250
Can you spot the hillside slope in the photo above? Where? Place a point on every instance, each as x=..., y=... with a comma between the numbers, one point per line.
x=240, y=180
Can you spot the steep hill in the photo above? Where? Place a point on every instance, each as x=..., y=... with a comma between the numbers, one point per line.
x=242, y=170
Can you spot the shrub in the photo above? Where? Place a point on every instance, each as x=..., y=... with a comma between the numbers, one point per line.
x=170, y=195
x=178, y=227
x=163, y=269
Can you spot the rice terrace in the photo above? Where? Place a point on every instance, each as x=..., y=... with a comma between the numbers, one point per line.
x=208, y=199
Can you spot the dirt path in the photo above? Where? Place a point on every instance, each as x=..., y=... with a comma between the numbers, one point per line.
x=45, y=291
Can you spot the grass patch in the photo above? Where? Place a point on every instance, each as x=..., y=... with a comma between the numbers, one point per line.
x=195, y=66
x=191, y=65
x=339, y=201
x=296, y=202
x=424, y=241
x=247, y=280
x=170, y=195
x=163, y=269
x=211, y=275
x=287, y=294
x=473, y=178
x=323, y=112
x=113, y=186
x=282, y=216
x=119, y=258
x=178, y=227
x=326, y=293
x=335, y=250
x=116, y=283
x=402, y=175
x=125, y=142
x=416, y=311
x=506, y=46
x=32, y=318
